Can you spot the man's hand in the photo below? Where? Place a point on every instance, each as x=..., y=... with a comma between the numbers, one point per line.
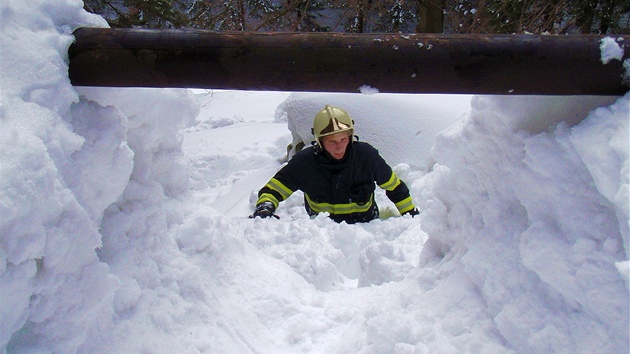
x=413, y=212
x=264, y=210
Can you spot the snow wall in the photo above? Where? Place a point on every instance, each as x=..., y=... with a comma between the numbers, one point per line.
x=531, y=219
x=78, y=174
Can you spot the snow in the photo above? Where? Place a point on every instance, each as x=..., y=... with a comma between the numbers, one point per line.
x=610, y=50
x=124, y=218
x=368, y=90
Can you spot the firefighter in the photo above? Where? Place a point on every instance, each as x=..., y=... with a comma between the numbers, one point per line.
x=337, y=175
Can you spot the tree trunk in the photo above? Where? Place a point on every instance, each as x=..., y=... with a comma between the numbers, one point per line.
x=608, y=10
x=241, y=15
x=585, y=14
x=360, y=16
x=430, y=16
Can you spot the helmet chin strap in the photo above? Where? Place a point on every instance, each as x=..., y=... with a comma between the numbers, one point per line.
x=316, y=148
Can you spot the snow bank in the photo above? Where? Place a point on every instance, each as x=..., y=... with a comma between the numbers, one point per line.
x=77, y=174
x=54, y=288
x=528, y=221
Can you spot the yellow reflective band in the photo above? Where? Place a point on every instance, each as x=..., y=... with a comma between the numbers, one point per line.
x=337, y=209
x=405, y=205
x=391, y=184
x=267, y=197
x=280, y=188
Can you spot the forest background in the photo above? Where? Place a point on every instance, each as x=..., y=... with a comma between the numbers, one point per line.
x=370, y=16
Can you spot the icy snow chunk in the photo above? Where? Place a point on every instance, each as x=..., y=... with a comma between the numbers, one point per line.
x=610, y=50
x=368, y=90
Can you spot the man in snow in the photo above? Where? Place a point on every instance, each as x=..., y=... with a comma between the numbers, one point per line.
x=336, y=174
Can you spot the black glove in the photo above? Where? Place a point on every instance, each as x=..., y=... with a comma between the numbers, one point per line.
x=264, y=210
x=413, y=212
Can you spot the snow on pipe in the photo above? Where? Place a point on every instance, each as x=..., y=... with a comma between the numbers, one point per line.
x=345, y=62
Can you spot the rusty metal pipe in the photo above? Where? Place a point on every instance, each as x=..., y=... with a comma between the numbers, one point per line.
x=343, y=62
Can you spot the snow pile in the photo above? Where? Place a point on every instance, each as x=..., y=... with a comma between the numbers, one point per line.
x=70, y=167
x=523, y=220
x=123, y=221
x=49, y=219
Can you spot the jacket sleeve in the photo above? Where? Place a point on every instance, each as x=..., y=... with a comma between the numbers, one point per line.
x=395, y=189
x=280, y=187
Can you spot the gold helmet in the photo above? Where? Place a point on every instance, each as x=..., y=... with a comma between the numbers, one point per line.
x=331, y=120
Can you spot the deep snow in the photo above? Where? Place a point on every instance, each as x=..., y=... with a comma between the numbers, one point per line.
x=123, y=218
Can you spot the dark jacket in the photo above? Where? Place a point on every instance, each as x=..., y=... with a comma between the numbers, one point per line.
x=345, y=188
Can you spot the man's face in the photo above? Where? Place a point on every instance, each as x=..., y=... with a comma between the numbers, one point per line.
x=336, y=144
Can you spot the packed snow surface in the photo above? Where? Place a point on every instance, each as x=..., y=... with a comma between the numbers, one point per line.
x=124, y=228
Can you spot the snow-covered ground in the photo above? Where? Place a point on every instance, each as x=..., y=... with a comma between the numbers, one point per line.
x=124, y=229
